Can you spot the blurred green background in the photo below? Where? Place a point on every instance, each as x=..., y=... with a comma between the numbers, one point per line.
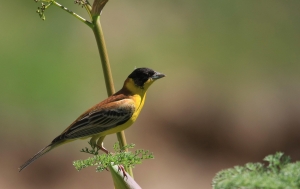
x=231, y=94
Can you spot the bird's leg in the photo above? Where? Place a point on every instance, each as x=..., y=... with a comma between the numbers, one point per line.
x=102, y=148
x=93, y=142
x=100, y=145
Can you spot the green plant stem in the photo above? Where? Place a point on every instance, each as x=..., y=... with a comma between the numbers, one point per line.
x=97, y=29
x=74, y=14
x=103, y=55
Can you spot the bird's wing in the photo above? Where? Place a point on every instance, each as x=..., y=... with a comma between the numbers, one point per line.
x=100, y=119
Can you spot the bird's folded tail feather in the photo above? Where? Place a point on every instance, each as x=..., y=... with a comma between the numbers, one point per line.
x=36, y=156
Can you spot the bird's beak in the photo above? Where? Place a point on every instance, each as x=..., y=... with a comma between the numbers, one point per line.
x=158, y=75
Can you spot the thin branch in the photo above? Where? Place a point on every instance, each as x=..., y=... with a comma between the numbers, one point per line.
x=74, y=14
x=103, y=55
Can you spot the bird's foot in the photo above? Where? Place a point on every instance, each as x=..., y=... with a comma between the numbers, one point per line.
x=103, y=149
x=121, y=168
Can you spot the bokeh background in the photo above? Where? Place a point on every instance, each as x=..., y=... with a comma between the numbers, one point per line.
x=231, y=94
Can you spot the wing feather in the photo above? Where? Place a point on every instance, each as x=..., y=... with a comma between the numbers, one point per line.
x=101, y=119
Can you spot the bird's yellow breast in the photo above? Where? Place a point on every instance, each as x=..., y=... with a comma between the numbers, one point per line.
x=139, y=103
x=138, y=95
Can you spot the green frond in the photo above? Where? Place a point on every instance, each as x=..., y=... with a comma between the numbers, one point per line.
x=120, y=157
x=279, y=173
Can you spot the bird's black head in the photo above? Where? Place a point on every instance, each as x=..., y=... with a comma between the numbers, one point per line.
x=142, y=75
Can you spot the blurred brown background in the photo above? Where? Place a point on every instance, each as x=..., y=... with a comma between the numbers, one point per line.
x=231, y=94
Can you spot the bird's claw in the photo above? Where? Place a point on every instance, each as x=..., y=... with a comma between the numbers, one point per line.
x=121, y=168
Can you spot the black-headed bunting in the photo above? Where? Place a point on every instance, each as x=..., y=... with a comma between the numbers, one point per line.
x=112, y=115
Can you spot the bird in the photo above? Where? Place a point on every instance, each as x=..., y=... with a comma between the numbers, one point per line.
x=114, y=114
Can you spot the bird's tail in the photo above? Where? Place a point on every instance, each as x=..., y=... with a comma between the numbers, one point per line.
x=36, y=156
